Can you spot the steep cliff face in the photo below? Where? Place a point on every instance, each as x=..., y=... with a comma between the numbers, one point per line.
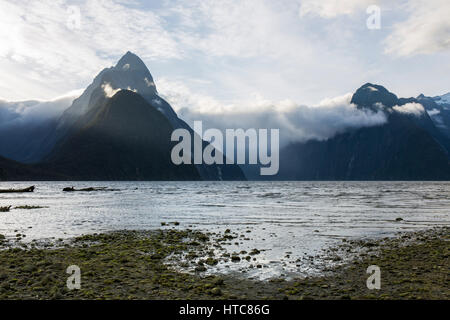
x=407, y=147
x=68, y=144
x=121, y=138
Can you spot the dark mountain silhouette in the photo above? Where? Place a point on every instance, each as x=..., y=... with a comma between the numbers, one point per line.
x=23, y=142
x=373, y=97
x=439, y=113
x=122, y=138
x=59, y=146
x=11, y=170
x=407, y=147
x=120, y=127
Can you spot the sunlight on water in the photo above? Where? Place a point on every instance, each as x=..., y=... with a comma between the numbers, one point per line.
x=295, y=218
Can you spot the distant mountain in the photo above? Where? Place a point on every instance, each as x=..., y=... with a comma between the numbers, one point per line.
x=119, y=138
x=444, y=99
x=374, y=97
x=438, y=111
x=130, y=73
x=25, y=125
x=14, y=171
x=68, y=137
x=23, y=142
x=407, y=147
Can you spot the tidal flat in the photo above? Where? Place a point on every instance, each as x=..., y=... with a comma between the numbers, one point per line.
x=170, y=263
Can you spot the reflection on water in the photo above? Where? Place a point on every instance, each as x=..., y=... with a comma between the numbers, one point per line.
x=301, y=218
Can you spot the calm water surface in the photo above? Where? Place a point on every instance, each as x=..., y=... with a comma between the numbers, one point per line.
x=299, y=218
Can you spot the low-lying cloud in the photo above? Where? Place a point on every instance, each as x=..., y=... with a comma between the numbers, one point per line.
x=433, y=112
x=19, y=113
x=109, y=91
x=296, y=122
x=412, y=108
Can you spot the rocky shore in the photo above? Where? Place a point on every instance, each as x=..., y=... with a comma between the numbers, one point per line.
x=172, y=264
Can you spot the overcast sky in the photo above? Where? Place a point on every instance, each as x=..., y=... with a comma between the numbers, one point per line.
x=225, y=50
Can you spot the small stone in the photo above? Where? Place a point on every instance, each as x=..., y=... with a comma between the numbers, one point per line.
x=200, y=269
x=235, y=258
x=216, y=291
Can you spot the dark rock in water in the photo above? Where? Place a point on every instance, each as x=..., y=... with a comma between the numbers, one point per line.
x=399, y=219
x=235, y=258
x=29, y=189
x=90, y=189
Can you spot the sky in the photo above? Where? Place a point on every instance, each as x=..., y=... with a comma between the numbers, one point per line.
x=227, y=52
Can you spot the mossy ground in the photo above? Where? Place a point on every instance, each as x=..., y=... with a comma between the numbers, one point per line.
x=413, y=266
x=132, y=265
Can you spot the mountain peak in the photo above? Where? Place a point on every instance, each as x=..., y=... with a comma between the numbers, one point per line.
x=421, y=96
x=444, y=99
x=370, y=94
x=130, y=61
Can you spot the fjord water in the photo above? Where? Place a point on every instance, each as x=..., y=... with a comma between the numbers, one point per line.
x=298, y=219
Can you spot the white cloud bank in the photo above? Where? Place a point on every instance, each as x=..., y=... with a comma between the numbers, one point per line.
x=296, y=122
x=413, y=108
x=109, y=91
x=14, y=113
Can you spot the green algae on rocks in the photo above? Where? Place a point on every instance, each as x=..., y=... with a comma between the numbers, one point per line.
x=135, y=265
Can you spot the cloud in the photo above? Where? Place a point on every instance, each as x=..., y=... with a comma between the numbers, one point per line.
x=425, y=31
x=412, y=108
x=424, y=27
x=433, y=112
x=296, y=122
x=109, y=91
x=20, y=113
x=333, y=8
x=243, y=29
x=240, y=47
x=254, y=45
x=40, y=46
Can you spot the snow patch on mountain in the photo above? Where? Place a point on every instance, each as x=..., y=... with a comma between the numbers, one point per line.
x=433, y=112
x=444, y=99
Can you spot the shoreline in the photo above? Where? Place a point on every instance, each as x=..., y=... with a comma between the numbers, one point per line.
x=147, y=264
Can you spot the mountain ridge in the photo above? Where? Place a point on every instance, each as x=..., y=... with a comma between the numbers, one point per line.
x=129, y=75
x=109, y=148
x=413, y=144
x=406, y=147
